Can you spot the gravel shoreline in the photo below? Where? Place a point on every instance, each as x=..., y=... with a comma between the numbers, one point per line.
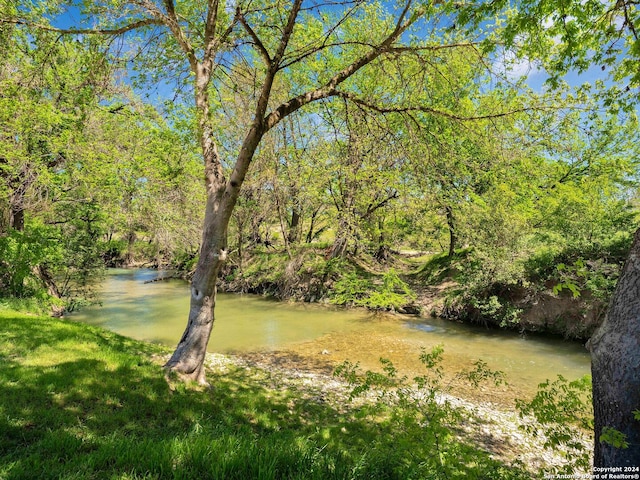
x=487, y=425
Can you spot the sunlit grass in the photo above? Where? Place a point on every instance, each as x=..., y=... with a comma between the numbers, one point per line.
x=37, y=305
x=78, y=402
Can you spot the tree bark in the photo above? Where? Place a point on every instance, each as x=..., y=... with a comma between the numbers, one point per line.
x=16, y=220
x=311, y=233
x=131, y=241
x=188, y=358
x=615, y=368
x=222, y=194
x=294, y=226
x=341, y=242
x=19, y=185
x=339, y=249
x=452, y=231
x=383, y=253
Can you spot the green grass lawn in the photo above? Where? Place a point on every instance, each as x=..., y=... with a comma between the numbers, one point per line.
x=80, y=402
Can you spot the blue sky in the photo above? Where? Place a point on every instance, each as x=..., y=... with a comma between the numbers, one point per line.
x=165, y=91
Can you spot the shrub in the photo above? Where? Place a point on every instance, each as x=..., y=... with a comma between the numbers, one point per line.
x=560, y=412
x=44, y=261
x=441, y=266
x=425, y=416
x=20, y=253
x=351, y=289
x=391, y=294
x=114, y=251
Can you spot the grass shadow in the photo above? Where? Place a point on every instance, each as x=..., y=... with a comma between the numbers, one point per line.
x=80, y=402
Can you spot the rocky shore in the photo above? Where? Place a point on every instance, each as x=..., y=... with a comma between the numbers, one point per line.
x=488, y=426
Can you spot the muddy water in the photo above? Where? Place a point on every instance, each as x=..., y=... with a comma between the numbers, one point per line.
x=318, y=337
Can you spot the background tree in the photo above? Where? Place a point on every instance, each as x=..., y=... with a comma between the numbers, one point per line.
x=48, y=90
x=589, y=37
x=71, y=141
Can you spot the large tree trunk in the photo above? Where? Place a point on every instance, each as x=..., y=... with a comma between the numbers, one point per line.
x=339, y=248
x=222, y=194
x=615, y=367
x=188, y=358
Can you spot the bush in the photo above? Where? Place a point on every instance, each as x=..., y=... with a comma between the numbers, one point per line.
x=20, y=253
x=351, y=289
x=114, y=252
x=560, y=412
x=46, y=261
x=392, y=294
x=441, y=266
x=421, y=410
x=184, y=260
x=499, y=312
x=612, y=250
x=496, y=287
x=593, y=267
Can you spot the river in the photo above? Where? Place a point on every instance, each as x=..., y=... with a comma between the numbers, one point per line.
x=311, y=336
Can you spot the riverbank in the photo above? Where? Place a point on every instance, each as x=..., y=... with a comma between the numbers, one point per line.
x=563, y=292
x=565, y=303
x=82, y=402
x=492, y=427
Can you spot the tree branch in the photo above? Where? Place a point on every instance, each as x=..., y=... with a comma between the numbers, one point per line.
x=310, y=50
x=372, y=208
x=254, y=36
x=288, y=30
x=174, y=25
x=86, y=31
x=425, y=109
x=212, y=20
x=329, y=89
x=433, y=48
x=211, y=47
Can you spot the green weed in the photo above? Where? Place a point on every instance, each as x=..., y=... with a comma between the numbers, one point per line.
x=422, y=411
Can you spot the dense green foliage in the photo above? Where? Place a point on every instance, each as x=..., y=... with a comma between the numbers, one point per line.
x=84, y=167
x=538, y=188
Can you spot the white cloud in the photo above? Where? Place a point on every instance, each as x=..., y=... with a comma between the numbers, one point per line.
x=509, y=65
